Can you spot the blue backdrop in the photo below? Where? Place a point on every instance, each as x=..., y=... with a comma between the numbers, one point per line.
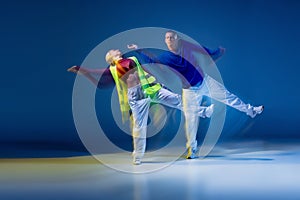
x=40, y=40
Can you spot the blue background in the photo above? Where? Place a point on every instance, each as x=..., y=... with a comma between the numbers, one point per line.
x=40, y=40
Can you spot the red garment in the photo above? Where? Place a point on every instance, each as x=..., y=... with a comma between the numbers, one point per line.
x=124, y=65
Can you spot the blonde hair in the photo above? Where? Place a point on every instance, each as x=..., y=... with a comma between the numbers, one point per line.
x=109, y=57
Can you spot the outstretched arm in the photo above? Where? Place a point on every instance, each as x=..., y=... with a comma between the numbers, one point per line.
x=144, y=56
x=215, y=54
x=105, y=80
x=84, y=70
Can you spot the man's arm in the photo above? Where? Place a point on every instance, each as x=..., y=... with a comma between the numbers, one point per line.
x=215, y=54
x=145, y=56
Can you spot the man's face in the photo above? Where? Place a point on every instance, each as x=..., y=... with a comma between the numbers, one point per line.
x=171, y=40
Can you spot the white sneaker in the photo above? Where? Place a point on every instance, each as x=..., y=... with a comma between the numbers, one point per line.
x=257, y=110
x=137, y=161
x=209, y=111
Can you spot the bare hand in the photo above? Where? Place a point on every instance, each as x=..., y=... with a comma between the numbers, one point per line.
x=73, y=69
x=77, y=70
x=222, y=49
x=132, y=46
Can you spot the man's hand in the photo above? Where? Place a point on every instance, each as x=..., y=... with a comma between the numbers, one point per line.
x=132, y=46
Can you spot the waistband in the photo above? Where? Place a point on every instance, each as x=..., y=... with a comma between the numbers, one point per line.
x=134, y=87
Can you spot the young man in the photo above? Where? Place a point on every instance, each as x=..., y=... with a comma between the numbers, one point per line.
x=196, y=84
x=136, y=90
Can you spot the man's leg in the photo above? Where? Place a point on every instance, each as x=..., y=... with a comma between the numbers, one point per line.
x=218, y=92
x=192, y=110
x=173, y=100
x=191, y=103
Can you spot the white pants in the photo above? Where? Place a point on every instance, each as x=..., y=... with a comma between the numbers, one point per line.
x=139, y=105
x=192, y=99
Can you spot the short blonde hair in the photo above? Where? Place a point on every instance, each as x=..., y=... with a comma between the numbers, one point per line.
x=109, y=57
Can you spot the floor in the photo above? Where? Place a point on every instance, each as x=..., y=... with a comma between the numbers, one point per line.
x=244, y=170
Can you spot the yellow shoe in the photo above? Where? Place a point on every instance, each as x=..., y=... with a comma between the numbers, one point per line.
x=192, y=153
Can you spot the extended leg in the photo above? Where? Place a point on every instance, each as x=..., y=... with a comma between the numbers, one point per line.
x=218, y=92
x=168, y=98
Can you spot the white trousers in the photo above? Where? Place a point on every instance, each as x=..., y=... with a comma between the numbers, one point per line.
x=192, y=99
x=139, y=105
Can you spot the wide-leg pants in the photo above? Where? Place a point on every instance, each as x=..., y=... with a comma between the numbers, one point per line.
x=192, y=99
x=139, y=105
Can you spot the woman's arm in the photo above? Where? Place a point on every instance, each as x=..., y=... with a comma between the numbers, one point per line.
x=105, y=80
x=84, y=70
